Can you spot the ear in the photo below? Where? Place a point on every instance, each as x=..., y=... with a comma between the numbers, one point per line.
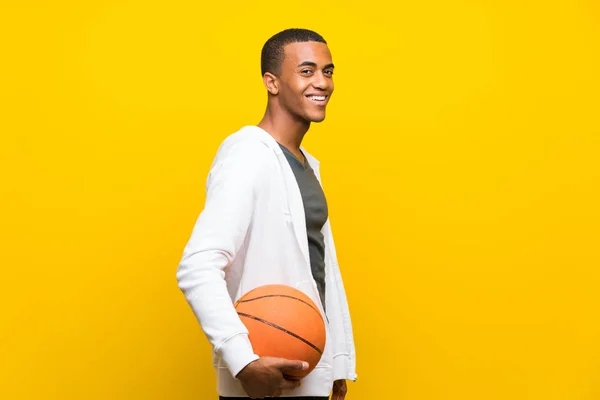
x=271, y=83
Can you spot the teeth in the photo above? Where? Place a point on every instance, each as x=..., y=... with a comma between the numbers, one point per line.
x=317, y=97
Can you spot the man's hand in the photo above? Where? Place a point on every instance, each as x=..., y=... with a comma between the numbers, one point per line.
x=264, y=377
x=339, y=390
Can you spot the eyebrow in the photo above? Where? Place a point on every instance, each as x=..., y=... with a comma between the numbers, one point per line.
x=312, y=64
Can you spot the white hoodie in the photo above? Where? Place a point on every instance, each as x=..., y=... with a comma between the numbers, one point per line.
x=251, y=233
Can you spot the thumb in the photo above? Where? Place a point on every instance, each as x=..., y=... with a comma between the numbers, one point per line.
x=298, y=365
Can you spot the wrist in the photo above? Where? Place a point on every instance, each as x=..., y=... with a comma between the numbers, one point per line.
x=237, y=353
x=245, y=371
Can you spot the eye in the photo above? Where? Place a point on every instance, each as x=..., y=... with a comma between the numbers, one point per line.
x=328, y=72
x=306, y=71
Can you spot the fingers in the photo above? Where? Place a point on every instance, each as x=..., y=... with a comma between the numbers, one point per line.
x=342, y=395
x=297, y=365
x=289, y=384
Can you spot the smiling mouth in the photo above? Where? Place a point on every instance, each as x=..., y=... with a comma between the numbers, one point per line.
x=318, y=99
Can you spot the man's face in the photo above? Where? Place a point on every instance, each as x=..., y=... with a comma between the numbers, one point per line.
x=306, y=80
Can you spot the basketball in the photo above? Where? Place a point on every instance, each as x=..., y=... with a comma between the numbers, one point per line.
x=283, y=322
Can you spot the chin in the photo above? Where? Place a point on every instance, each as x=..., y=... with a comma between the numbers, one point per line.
x=317, y=118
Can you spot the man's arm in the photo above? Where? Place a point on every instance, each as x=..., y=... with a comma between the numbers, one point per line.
x=341, y=326
x=232, y=185
x=232, y=188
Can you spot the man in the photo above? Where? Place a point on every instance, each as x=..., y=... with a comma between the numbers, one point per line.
x=265, y=221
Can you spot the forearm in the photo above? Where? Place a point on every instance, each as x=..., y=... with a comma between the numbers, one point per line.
x=201, y=279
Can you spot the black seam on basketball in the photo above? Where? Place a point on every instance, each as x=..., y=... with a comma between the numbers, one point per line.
x=281, y=329
x=280, y=295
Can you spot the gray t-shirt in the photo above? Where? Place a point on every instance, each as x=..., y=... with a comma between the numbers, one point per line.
x=316, y=213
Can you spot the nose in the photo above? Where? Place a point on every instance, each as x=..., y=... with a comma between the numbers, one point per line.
x=320, y=81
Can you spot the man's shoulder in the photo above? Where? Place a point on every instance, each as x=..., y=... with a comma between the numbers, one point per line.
x=246, y=137
x=249, y=145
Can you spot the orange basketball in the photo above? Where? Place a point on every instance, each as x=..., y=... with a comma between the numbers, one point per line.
x=283, y=322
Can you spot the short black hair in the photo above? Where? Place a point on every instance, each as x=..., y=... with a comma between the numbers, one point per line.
x=272, y=52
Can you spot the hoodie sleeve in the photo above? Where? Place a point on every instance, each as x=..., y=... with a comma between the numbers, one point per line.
x=235, y=178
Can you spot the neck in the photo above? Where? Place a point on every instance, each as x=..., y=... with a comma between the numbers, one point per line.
x=284, y=128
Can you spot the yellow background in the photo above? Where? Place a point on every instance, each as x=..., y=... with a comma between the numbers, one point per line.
x=460, y=157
